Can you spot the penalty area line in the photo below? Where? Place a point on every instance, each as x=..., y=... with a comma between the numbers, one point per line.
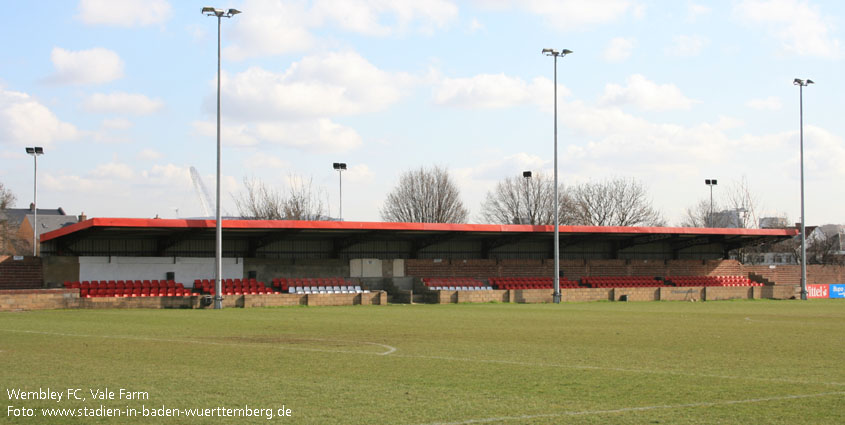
x=635, y=409
x=617, y=369
x=388, y=349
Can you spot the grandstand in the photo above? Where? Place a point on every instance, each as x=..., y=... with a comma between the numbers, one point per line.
x=312, y=259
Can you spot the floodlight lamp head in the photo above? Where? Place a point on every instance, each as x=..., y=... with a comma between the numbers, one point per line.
x=526, y=174
x=211, y=11
x=565, y=52
x=30, y=150
x=809, y=81
x=39, y=150
x=233, y=12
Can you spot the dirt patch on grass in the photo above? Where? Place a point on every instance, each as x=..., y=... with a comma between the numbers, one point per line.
x=289, y=340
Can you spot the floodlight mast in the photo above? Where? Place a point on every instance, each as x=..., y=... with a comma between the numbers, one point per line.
x=218, y=243
x=711, y=183
x=340, y=167
x=35, y=151
x=801, y=84
x=556, y=296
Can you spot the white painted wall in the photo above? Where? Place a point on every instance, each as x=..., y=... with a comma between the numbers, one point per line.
x=140, y=268
x=365, y=267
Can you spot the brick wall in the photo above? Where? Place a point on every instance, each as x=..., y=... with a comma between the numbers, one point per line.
x=38, y=299
x=791, y=274
x=690, y=293
x=482, y=296
x=715, y=293
x=586, y=294
x=577, y=269
x=49, y=299
x=637, y=294
x=24, y=273
x=611, y=294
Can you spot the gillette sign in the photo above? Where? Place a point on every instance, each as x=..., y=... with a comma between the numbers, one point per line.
x=837, y=290
x=817, y=291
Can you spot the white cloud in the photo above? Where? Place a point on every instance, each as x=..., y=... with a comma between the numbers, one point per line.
x=122, y=103
x=167, y=175
x=771, y=103
x=265, y=161
x=317, y=86
x=619, y=49
x=150, y=154
x=117, y=124
x=824, y=154
x=696, y=10
x=509, y=165
x=272, y=27
x=386, y=17
x=23, y=120
x=800, y=26
x=318, y=135
x=113, y=170
x=475, y=25
x=687, y=45
x=571, y=14
x=645, y=94
x=360, y=173
x=269, y=27
x=124, y=13
x=230, y=134
x=92, y=66
x=494, y=91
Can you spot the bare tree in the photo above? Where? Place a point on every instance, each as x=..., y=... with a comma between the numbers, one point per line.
x=824, y=246
x=736, y=208
x=703, y=214
x=614, y=202
x=526, y=201
x=425, y=196
x=741, y=199
x=9, y=241
x=301, y=201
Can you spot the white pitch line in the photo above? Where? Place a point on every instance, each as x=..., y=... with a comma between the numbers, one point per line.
x=618, y=369
x=635, y=409
x=389, y=349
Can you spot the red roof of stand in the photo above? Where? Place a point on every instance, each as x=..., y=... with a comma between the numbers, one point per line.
x=155, y=223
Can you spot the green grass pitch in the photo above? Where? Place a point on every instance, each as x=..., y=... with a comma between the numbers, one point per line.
x=729, y=362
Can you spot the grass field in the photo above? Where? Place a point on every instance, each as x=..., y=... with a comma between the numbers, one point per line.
x=742, y=362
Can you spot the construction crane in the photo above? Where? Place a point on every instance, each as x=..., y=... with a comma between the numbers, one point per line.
x=202, y=192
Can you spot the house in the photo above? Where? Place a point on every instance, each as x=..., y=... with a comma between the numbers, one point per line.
x=17, y=232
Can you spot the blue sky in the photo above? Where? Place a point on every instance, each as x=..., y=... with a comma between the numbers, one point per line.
x=122, y=97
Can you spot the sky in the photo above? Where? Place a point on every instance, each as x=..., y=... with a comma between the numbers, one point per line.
x=122, y=96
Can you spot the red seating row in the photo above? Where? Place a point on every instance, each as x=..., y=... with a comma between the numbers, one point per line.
x=234, y=287
x=712, y=281
x=138, y=292
x=129, y=288
x=623, y=282
x=122, y=284
x=453, y=282
x=531, y=283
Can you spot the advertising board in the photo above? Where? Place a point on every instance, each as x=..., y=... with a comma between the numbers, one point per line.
x=817, y=291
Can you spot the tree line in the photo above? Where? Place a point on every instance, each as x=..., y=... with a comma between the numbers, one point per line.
x=431, y=195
